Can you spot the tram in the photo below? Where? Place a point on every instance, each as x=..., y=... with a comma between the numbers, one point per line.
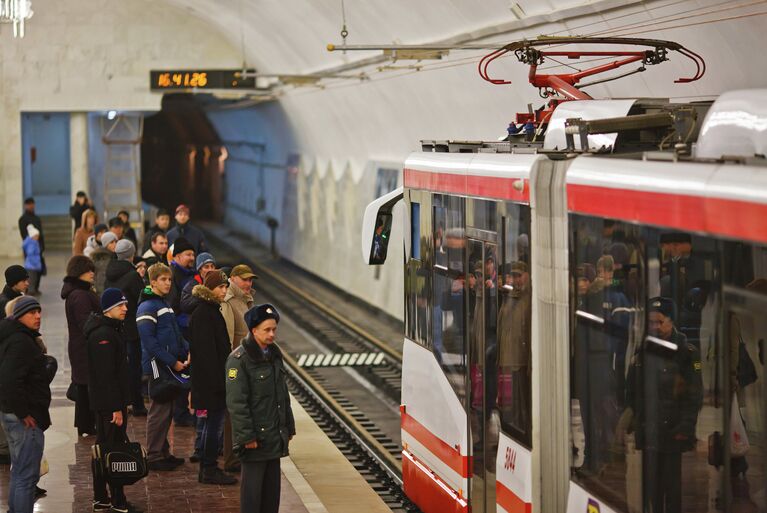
x=584, y=311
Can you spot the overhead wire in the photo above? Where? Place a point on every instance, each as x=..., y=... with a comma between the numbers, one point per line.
x=627, y=29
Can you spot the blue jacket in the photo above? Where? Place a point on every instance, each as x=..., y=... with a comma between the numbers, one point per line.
x=32, y=256
x=160, y=335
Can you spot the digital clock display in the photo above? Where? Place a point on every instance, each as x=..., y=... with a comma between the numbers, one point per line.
x=161, y=80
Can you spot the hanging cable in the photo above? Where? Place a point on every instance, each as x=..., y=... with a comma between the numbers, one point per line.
x=344, y=30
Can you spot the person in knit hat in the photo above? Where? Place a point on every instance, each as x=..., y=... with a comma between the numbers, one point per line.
x=122, y=275
x=109, y=389
x=16, y=284
x=25, y=398
x=204, y=264
x=79, y=302
x=186, y=230
x=33, y=259
x=209, y=346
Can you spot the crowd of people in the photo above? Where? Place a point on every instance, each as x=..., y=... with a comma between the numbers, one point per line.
x=168, y=327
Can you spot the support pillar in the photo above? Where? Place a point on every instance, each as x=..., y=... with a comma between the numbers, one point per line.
x=78, y=151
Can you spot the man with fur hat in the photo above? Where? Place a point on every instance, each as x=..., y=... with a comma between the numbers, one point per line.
x=209, y=346
x=109, y=390
x=25, y=397
x=122, y=275
x=259, y=404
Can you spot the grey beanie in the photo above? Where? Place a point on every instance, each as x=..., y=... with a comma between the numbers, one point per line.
x=23, y=305
x=107, y=239
x=125, y=249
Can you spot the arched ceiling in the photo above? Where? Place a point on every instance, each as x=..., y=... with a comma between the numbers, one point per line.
x=291, y=35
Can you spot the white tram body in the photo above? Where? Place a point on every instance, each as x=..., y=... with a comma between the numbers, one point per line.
x=547, y=426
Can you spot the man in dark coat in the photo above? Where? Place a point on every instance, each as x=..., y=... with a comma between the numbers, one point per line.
x=210, y=347
x=29, y=217
x=109, y=389
x=668, y=374
x=16, y=284
x=186, y=230
x=161, y=225
x=128, y=231
x=158, y=249
x=259, y=405
x=25, y=397
x=79, y=302
x=122, y=275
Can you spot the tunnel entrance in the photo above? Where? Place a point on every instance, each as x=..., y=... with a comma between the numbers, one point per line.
x=182, y=159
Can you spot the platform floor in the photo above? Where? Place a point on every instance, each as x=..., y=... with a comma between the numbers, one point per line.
x=317, y=478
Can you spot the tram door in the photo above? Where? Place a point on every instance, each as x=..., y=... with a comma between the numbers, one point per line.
x=482, y=312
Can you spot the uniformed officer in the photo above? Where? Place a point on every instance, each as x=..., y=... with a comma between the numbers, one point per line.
x=669, y=370
x=259, y=405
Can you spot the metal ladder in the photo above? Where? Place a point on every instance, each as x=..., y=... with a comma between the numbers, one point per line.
x=122, y=170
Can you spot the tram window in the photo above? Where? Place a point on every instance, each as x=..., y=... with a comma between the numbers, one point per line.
x=744, y=272
x=448, y=304
x=647, y=372
x=514, y=326
x=415, y=230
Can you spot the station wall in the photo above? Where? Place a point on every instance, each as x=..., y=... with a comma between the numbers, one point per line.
x=90, y=55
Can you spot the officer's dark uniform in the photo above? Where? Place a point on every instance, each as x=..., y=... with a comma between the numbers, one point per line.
x=259, y=405
x=666, y=414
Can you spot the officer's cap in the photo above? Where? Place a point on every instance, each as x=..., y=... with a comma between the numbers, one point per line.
x=261, y=313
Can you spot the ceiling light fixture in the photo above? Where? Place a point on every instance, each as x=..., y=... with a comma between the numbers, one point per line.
x=16, y=12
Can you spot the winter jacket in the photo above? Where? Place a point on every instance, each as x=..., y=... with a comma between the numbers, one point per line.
x=122, y=275
x=258, y=402
x=190, y=233
x=101, y=258
x=188, y=300
x=130, y=234
x=108, y=379
x=210, y=347
x=33, y=260
x=24, y=380
x=235, y=304
x=25, y=220
x=79, y=303
x=160, y=335
x=181, y=277
x=514, y=331
x=82, y=234
x=7, y=295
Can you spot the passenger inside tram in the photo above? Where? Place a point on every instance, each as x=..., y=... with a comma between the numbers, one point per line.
x=670, y=391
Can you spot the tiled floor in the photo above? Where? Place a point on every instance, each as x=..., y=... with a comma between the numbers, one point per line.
x=69, y=482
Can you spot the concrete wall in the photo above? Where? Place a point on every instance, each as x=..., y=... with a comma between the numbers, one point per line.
x=92, y=55
x=318, y=202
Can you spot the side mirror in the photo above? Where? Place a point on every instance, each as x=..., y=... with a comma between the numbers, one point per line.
x=376, y=227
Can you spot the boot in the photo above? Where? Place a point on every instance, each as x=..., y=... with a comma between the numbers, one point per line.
x=214, y=475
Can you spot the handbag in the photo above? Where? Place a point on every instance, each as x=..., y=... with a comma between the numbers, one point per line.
x=166, y=384
x=72, y=392
x=122, y=464
x=746, y=369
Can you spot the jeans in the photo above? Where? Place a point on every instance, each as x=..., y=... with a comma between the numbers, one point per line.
x=211, y=429
x=26, y=445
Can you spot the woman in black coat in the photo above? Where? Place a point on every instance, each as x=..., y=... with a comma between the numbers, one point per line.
x=209, y=346
x=79, y=302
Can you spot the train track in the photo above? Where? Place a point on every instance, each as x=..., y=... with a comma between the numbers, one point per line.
x=346, y=378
